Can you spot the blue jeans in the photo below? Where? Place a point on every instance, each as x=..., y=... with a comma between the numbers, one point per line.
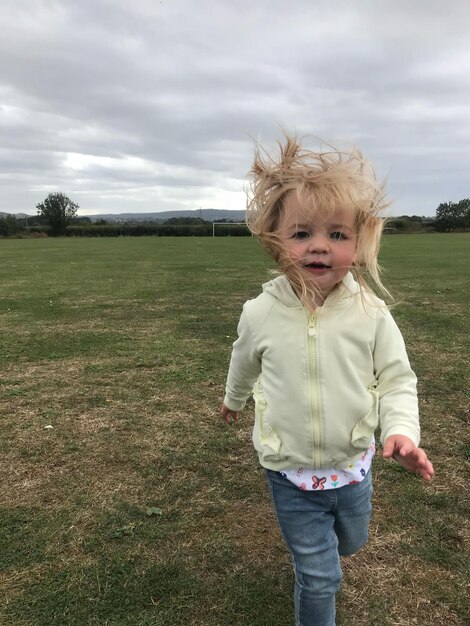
x=319, y=527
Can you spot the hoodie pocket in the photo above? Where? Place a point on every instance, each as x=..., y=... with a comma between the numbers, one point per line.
x=265, y=438
x=367, y=425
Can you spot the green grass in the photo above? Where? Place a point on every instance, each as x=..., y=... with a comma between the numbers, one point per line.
x=122, y=346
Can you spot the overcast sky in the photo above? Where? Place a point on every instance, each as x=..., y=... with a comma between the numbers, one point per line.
x=151, y=105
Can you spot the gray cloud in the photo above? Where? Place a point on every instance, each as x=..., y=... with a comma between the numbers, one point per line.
x=153, y=105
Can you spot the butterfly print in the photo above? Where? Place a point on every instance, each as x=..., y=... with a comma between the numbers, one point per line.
x=318, y=483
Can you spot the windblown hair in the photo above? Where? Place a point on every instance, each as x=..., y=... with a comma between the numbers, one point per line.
x=324, y=182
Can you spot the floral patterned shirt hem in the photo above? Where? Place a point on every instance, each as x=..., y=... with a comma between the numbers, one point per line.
x=310, y=479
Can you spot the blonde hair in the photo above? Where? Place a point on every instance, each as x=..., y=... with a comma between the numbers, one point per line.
x=324, y=181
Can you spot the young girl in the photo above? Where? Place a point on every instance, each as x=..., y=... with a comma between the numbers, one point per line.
x=324, y=360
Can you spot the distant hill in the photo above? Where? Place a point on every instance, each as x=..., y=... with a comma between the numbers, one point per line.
x=210, y=215
x=17, y=215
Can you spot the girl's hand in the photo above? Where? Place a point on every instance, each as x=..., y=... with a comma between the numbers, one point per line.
x=408, y=455
x=228, y=414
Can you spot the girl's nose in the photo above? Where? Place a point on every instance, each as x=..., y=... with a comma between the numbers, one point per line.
x=319, y=244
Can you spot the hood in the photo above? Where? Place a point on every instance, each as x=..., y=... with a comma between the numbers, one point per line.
x=281, y=289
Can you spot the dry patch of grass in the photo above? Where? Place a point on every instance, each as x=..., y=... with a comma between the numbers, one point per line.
x=131, y=382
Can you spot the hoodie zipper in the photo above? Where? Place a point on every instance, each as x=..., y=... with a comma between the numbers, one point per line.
x=314, y=403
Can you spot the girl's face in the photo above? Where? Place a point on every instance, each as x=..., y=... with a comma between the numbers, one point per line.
x=323, y=245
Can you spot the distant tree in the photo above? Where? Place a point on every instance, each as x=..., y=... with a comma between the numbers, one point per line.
x=453, y=215
x=405, y=224
x=8, y=226
x=465, y=210
x=397, y=224
x=57, y=211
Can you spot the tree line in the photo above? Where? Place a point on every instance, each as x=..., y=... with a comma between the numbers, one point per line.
x=57, y=216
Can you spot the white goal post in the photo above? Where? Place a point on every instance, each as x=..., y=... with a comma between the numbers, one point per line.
x=214, y=224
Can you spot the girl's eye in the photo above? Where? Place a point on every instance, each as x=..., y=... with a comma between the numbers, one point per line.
x=301, y=234
x=337, y=235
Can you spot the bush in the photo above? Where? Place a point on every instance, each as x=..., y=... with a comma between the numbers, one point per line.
x=153, y=229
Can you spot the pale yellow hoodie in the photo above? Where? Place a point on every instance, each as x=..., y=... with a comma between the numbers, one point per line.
x=322, y=383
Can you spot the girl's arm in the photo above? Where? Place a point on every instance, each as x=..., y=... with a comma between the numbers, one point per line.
x=244, y=370
x=398, y=405
x=399, y=418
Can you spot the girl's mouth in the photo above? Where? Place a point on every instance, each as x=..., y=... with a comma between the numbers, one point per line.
x=317, y=267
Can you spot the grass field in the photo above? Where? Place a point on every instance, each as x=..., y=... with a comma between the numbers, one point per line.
x=126, y=501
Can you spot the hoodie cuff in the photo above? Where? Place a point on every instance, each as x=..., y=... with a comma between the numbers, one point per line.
x=234, y=405
x=400, y=430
